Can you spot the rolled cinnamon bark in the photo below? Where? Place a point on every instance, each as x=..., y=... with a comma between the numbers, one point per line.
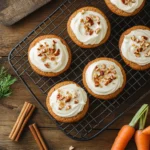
x=21, y=121
x=37, y=136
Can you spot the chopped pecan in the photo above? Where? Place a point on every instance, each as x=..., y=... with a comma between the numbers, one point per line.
x=43, y=58
x=103, y=66
x=97, y=30
x=60, y=96
x=96, y=83
x=39, y=54
x=109, y=80
x=111, y=67
x=51, y=50
x=147, y=44
x=61, y=105
x=68, y=99
x=68, y=107
x=52, y=58
x=83, y=11
x=57, y=52
x=137, y=54
x=76, y=101
x=47, y=65
x=101, y=73
x=147, y=54
x=144, y=38
x=133, y=38
x=88, y=19
x=41, y=45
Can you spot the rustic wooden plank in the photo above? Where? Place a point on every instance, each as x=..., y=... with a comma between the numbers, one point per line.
x=56, y=140
x=14, y=11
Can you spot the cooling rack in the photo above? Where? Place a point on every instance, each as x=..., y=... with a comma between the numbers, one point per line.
x=101, y=113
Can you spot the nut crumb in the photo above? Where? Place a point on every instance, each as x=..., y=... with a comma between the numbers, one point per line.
x=71, y=148
x=97, y=30
x=68, y=107
x=83, y=11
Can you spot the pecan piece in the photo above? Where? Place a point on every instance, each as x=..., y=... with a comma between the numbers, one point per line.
x=96, y=83
x=52, y=58
x=51, y=50
x=43, y=58
x=144, y=38
x=97, y=30
x=133, y=38
x=57, y=52
x=76, y=101
x=88, y=19
x=109, y=80
x=83, y=11
x=61, y=105
x=60, y=96
x=39, y=54
x=101, y=73
x=47, y=65
x=147, y=54
x=68, y=107
x=68, y=99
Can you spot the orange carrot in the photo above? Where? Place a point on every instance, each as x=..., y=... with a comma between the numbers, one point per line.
x=127, y=131
x=124, y=135
x=147, y=130
x=142, y=140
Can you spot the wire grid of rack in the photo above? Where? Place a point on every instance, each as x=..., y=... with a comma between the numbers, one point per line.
x=101, y=113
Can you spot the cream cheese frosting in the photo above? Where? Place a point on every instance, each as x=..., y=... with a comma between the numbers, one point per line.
x=128, y=6
x=68, y=100
x=49, y=55
x=103, y=77
x=136, y=46
x=89, y=27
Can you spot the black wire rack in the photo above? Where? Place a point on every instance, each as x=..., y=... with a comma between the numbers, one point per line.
x=101, y=113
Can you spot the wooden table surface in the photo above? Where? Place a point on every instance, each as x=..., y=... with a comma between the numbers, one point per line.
x=10, y=107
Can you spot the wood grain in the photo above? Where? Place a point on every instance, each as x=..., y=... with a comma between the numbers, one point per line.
x=10, y=107
x=13, y=11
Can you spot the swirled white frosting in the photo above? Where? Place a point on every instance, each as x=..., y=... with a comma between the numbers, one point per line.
x=127, y=8
x=128, y=49
x=111, y=87
x=55, y=66
x=77, y=94
x=79, y=30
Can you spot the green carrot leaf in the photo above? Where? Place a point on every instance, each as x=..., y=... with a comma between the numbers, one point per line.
x=6, y=80
x=139, y=114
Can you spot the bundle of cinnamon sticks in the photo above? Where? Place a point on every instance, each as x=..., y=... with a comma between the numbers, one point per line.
x=21, y=121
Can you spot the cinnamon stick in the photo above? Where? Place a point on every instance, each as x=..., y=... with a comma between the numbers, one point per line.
x=21, y=121
x=37, y=136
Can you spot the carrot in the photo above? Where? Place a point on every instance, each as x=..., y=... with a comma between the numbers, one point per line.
x=124, y=135
x=146, y=130
x=141, y=139
x=127, y=131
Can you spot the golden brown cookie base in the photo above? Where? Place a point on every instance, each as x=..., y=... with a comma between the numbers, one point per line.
x=120, y=12
x=109, y=96
x=68, y=119
x=130, y=63
x=72, y=35
x=49, y=74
